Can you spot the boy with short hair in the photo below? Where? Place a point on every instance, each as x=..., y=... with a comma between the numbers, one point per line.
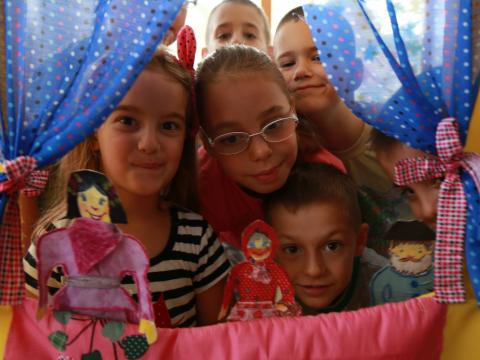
x=237, y=22
x=317, y=219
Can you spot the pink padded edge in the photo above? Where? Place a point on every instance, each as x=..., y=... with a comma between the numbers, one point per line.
x=412, y=329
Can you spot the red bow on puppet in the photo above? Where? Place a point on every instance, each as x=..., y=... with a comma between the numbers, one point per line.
x=451, y=208
x=20, y=177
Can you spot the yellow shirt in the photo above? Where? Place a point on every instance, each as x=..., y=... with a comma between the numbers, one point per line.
x=362, y=164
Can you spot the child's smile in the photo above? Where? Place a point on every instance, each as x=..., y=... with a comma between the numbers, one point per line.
x=247, y=105
x=142, y=140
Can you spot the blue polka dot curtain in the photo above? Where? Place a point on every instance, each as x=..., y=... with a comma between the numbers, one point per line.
x=69, y=63
x=405, y=69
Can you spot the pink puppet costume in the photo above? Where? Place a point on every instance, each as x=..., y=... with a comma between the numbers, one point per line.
x=95, y=256
x=261, y=285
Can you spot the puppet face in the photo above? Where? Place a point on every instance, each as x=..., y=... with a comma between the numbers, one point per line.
x=93, y=204
x=411, y=257
x=247, y=104
x=259, y=247
x=297, y=57
x=236, y=24
x=422, y=196
x=317, y=247
x=141, y=142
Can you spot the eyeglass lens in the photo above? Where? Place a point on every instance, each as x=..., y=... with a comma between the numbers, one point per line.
x=236, y=142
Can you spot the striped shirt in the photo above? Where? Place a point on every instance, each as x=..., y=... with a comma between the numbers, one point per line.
x=192, y=261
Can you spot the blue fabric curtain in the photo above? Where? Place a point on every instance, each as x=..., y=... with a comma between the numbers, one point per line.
x=69, y=63
x=403, y=67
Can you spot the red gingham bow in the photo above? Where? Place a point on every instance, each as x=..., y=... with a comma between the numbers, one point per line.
x=20, y=177
x=186, y=48
x=451, y=208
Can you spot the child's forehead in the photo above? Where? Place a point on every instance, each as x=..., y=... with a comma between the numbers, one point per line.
x=228, y=14
x=328, y=215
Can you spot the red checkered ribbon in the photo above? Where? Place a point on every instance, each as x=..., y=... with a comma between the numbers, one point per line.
x=451, y=208
x=186, y=48
x=20, y=177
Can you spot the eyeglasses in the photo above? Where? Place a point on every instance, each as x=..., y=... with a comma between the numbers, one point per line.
x=235, y=142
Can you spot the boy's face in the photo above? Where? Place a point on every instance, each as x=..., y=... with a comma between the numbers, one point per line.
x=317, y=248
x=235, y=24
x=297, y=57
x=422, y=196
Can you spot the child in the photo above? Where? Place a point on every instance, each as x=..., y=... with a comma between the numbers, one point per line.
x=298, y=59
x=249, y=134
x=396, y=97
x=147, y=149
x=317, y=219
x=422, y=196
x=410, y=271
x=339, y=130
x=237, y=22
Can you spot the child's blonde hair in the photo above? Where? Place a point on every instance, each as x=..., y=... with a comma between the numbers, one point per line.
x=183, y=187
x=238, y=60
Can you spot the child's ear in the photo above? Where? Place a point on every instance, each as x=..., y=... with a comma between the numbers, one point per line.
x=362, y=237
x=204, y=52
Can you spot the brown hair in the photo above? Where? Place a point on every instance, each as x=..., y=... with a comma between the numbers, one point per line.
x=183, y=188
x=235, y=60
x=266, y=27
x=293, y=15
x=310, y=183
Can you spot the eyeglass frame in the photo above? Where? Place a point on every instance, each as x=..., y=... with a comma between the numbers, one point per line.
x=211, y=141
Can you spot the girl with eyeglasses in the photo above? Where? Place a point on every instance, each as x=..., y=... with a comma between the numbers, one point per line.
x=251, y=137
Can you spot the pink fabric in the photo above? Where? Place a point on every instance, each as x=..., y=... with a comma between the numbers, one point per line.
x=406, y=330
x=452, y=206
x=125, y=256
x=228, y=208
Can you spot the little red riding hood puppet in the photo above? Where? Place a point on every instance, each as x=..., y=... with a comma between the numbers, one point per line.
x=261, y=285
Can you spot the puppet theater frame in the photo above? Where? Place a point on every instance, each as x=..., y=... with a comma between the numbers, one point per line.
x=419, y=328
